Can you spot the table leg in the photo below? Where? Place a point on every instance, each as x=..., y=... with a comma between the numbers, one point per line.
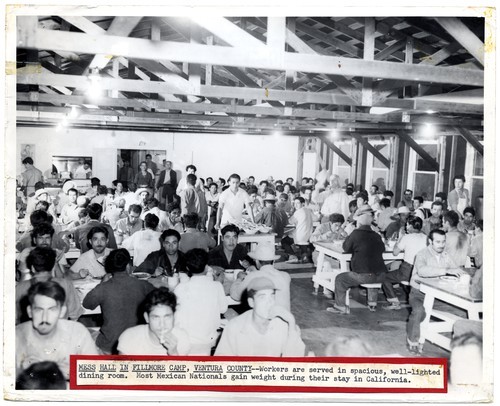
x=319, y=269
x=424, y=326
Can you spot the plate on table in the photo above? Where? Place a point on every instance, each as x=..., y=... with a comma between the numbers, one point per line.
x=142, y=275
x=449, y=278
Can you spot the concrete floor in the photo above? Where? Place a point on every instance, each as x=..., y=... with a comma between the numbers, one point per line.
x=384, y=330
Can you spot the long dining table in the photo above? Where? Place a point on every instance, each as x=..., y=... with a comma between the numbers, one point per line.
x=326, y=278
x=452, y=292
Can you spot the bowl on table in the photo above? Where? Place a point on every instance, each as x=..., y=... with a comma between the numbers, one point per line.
x=250, y=231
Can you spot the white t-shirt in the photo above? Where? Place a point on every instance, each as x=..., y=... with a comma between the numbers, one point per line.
x=137, y=341
x=89, y=261
x=232, y=206
x=411, y=244
x=141, y=244
x=200, y=302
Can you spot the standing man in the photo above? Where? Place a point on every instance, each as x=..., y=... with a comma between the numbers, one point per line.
x=302, y=219
x=167, y=184
x=151, y=164
x=457, y=243
x=190, y=170
x=431, y=262
x=190, y=201
x=435, y=220
x=47, y=337
x=126, y=173
x=232, y=202
x=30, y=176
x=367, y=264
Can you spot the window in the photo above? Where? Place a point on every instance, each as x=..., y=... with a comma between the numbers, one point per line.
x=376, y=172
x=421, y=178
x=474, y=175
x=340, y=167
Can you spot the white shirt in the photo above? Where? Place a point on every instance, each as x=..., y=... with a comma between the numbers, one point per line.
x=141, y=244
x=232, y=206
x=137, y=341
x=200, y=302
x=336, y=202
x=303, y=221
x=89, y=261
x=411, y=244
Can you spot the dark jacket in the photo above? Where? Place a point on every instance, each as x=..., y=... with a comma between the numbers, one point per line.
x=366, y=247
x=171, y=186
x=216, y=257
x=160, y=258
x=119, y=298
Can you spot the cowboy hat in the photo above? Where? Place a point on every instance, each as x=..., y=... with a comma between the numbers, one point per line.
x=264, y=252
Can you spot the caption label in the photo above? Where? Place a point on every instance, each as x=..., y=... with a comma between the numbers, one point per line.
x=162, y=374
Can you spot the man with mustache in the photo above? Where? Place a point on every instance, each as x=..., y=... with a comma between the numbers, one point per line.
x=47, y=337
x=92, y=262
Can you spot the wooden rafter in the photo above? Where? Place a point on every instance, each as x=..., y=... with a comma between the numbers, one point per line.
x=374, y=151
x=471, y=139
x=419, y=150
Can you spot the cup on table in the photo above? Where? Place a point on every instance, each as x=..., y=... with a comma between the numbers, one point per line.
x=172, y=281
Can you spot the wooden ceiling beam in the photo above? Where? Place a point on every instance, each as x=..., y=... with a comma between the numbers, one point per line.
x=336, y=149
x=419, y=150
x=458, y=30
x=374, y=151
x=467, y=135
x=241, y=93
x=260, y=58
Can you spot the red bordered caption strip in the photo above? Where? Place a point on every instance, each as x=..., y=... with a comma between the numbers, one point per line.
x=259, y=374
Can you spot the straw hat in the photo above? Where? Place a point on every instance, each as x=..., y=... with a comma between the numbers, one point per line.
x=41, y=192
x=264, y=252
x=67, y=186
x=140, y=190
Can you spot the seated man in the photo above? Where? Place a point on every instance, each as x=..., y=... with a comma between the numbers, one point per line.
x=457, y=243
x=397, y=228
x=80, y=233
x=231, y=204
x=40, y=263
x=411, y=243
x=92, y=262
x=331, y=230
x=127, y=226
x=42, y=236
x=228, y=254
x=435, y=221
x=264, y=330
x=367, y=264
x=48, y=337
x=264, y=256
x=384, y=214
x=468, y=224
x=466, y=360
x=168, y=260
x=475, y=251
x=36, y=218
x=200, y=303
x=192, y=238
x=144, y=242
x=69, y=211
x=159, y=336
x=174, y=219
x=431, y=262
x=154, y=208
x=119, y=296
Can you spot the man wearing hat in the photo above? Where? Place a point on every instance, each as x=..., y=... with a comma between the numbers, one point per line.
x=398, y=227
x=142, y=195
x=367, y=263
x=265, y=330
x=272, y=216
x=264, y=256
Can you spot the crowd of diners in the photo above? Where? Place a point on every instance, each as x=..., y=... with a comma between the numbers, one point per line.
x=173, y=279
